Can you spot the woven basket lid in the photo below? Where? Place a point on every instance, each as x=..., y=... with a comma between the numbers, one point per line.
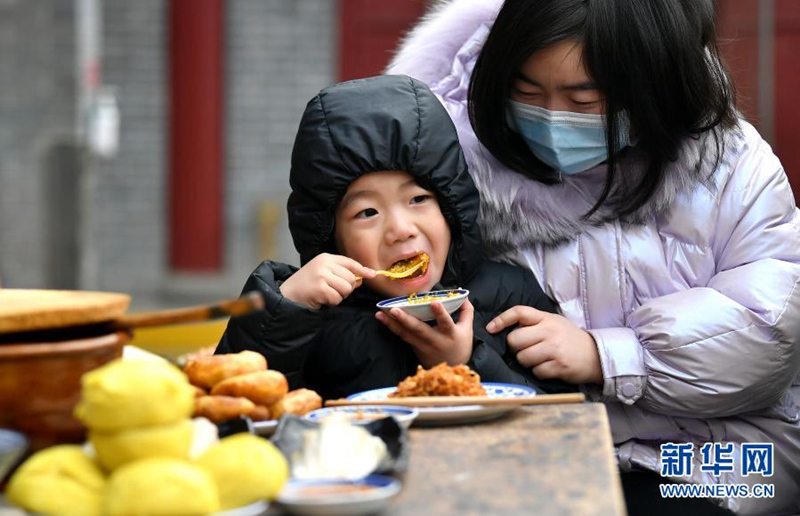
x=24, y=310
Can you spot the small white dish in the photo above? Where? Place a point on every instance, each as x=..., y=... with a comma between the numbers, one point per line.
x=364, y=414
x=419, y=304
x=368, y=495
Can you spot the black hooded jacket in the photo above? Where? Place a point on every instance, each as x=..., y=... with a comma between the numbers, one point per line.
x=350, y=129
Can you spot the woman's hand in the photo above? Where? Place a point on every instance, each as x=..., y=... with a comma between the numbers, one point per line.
x=448, y=341
x=550, y=344
x=326, y=280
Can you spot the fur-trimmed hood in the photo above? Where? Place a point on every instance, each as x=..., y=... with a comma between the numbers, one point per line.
x=516, y=211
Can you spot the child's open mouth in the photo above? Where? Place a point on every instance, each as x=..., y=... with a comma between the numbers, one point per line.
x=409, y=267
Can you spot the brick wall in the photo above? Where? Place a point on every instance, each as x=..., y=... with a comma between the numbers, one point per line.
x=125, y=209
x=37, y=108
x=278, y=54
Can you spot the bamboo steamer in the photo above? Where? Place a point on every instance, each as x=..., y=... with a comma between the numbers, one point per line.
x=50, y=338
x=40, y=374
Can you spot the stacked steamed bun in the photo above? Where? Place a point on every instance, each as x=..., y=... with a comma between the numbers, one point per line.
x=148, y=456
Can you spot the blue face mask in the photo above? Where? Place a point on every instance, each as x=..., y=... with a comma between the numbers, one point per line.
x=569, y=142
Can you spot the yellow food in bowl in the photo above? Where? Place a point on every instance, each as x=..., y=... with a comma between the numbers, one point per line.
x=160, y=486
x=246, y=468
x=133, y=393
x=117, y=448
x=415, y=299
x=58, y=480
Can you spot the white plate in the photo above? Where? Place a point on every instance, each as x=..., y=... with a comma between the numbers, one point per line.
x=374, y=494
x=435, y=416
x=451, y=300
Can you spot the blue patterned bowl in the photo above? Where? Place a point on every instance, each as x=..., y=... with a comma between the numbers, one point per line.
x=419, y=305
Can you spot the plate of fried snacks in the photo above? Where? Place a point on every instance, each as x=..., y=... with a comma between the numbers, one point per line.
x=368, y=495
x=445, y=380
x=234, y=385
x=419, y=304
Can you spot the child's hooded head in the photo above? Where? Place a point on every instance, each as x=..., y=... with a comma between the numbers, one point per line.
x=386, y=147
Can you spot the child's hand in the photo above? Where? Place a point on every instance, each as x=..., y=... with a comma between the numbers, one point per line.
x=448, y=341
x=325, y=281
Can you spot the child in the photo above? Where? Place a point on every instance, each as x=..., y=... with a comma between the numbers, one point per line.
x=378, y=176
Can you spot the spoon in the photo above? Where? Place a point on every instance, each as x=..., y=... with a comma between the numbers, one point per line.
x=399, y=274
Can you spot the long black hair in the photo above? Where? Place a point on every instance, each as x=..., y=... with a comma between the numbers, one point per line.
x=657, y=61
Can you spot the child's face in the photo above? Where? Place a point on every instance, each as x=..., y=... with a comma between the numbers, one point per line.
x=385, y=217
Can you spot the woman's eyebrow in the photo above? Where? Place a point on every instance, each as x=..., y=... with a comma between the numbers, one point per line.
x=580, y=86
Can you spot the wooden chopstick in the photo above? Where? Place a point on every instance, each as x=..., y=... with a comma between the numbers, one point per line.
x=248, y=302
x=457, y=401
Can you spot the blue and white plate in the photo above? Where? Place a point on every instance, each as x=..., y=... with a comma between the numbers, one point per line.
x=368, y=495
x=437, y=416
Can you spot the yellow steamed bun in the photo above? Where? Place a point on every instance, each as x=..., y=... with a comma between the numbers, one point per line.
x=160, y=487
x=58, y=480
x=246, y=468
x=133, y=393
x=117, y=448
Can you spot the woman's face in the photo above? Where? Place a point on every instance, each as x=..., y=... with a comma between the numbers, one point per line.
x=554, y=78
x=385, y=217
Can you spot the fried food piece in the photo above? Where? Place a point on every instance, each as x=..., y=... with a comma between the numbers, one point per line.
x=297, y=402
x=260, y=387
x=260, y=413
x=184, y=359
x=208, y=370
x=441, y=380
x=223, y=408
x=199, y=391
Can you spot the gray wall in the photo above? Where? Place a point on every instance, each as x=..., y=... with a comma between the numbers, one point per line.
x=37, y=117
x=109, y=226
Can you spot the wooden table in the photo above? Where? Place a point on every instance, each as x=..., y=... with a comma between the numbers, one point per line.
x=545, y=460
x=540, y=460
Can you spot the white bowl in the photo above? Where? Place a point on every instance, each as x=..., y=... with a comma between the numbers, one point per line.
x=364, y=414
x=450, y=299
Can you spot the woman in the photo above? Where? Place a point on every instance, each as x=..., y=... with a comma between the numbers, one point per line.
x=611, y=161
